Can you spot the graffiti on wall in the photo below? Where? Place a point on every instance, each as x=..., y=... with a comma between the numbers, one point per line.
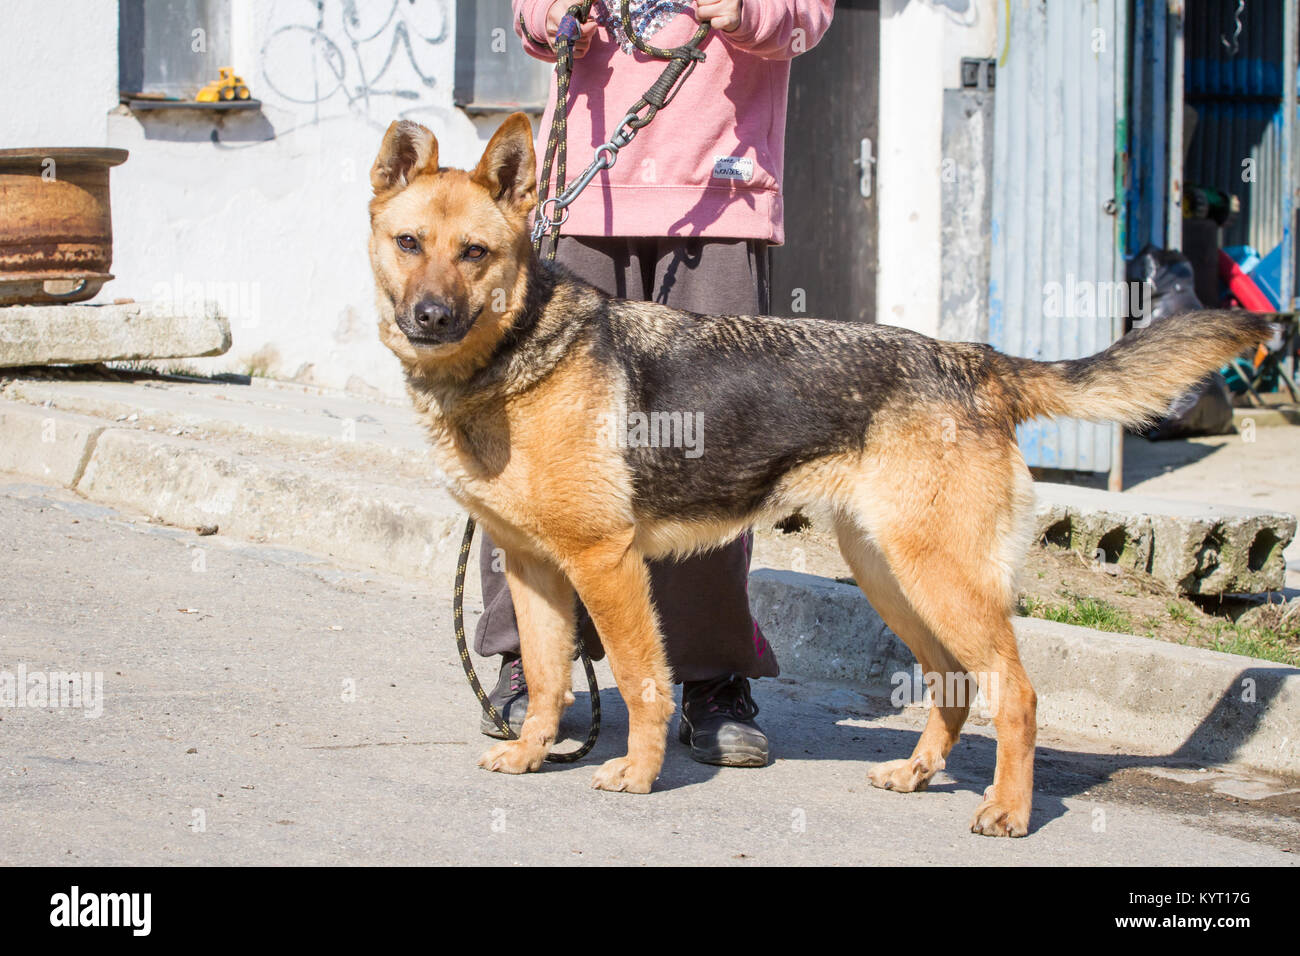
x=336, y=54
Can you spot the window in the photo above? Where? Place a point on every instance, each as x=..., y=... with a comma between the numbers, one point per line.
x=493, y=73
x=171, y=47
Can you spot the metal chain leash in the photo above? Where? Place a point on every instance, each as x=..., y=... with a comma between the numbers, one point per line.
x=682, y=62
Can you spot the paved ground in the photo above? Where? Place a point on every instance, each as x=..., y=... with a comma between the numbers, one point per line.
x=304, y=712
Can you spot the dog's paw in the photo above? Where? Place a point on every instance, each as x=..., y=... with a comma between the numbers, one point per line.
x=513, y=756
x=996, y=817
x=621, y=774
x=905, y=776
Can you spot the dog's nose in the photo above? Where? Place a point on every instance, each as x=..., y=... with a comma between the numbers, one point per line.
x=431, y=315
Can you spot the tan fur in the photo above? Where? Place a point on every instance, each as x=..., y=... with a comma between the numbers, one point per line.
x=1134, y=380
x=933, y=513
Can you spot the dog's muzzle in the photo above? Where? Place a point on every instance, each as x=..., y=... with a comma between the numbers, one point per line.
x=432, y=322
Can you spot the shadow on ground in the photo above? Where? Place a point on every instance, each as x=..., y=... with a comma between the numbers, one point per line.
x=802, y=725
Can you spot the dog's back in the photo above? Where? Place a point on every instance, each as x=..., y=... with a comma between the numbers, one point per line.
x=773, y=394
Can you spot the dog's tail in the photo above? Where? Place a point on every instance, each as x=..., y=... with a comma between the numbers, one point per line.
x=1134, y=381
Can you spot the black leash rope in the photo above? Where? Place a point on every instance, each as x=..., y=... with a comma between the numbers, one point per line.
x=682, y=60
x=458, y=615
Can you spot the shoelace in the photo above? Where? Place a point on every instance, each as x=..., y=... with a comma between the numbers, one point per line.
x=517, y=681
x=731, y=697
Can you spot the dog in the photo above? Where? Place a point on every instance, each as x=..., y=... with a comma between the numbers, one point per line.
x=905, y=444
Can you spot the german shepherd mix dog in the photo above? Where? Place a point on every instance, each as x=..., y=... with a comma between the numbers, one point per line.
x=906, y=445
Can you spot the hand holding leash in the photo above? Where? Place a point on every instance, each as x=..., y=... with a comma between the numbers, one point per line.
x=578, y=33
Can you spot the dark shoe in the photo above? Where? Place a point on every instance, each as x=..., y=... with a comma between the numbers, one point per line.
x=509, y=697
x=718, y=723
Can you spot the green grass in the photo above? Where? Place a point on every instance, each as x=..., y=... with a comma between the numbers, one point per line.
x=1273, y=635
x=1082, y=612
x=1255, y=642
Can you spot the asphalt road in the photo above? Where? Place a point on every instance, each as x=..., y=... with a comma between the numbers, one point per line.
x=261, y=707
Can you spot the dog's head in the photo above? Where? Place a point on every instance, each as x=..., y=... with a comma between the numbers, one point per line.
x=450, y=248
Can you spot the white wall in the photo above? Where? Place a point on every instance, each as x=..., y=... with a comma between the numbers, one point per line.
x=921, y=46
x=58, y=70
x=264, y=210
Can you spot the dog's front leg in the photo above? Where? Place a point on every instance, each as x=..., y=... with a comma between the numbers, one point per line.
x=614, y=584
x=544, y=608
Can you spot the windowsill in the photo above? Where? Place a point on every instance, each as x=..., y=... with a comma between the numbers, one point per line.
x=221, y=106
x=487, y=109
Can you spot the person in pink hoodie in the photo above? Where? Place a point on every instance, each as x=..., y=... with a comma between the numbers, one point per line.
x=685, y=218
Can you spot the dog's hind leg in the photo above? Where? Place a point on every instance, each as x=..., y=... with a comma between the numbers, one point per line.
x=947, y=716
x=952, y=533
x=544, y=607
x=1011, y=699
x=614, y=584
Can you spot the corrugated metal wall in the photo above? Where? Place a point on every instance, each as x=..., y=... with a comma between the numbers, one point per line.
x=1056, y=269
x=1238, y=101
x=1147, y=194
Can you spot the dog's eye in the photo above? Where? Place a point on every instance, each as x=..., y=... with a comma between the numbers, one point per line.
x=474, y=252
x=408, y=242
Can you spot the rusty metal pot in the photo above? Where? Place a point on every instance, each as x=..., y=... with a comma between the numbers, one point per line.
x=56, y=226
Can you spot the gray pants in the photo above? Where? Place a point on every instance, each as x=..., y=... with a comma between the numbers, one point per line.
x=703, y=601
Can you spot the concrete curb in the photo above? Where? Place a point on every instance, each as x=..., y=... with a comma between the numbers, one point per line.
x=191, y=484
x=46, y=445
x=1127, y=691
x=185, y=483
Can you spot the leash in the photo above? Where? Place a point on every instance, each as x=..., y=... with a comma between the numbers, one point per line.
x=458, y=615
x=682, y=60
x=553, y=211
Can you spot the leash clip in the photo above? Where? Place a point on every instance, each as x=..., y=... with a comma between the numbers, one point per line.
x=543, y=222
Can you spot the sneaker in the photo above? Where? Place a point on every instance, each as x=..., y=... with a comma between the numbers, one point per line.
x=509, y=697
x=718, y=723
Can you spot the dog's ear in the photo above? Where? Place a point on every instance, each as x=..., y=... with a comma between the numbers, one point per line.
x=508, y=169
x=408, y=150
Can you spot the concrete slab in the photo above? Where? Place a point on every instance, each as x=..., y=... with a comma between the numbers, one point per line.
x=1271, y=416
x=223, y=736
x=79, y=334
x=1195, y=547
x=1256, y=469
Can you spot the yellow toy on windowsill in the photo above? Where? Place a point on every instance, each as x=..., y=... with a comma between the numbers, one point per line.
x=229, y=87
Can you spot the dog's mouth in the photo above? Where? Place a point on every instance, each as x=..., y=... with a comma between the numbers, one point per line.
x=429, y=340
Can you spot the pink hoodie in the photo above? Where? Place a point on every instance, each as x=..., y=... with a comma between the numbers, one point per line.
x=710, y=164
